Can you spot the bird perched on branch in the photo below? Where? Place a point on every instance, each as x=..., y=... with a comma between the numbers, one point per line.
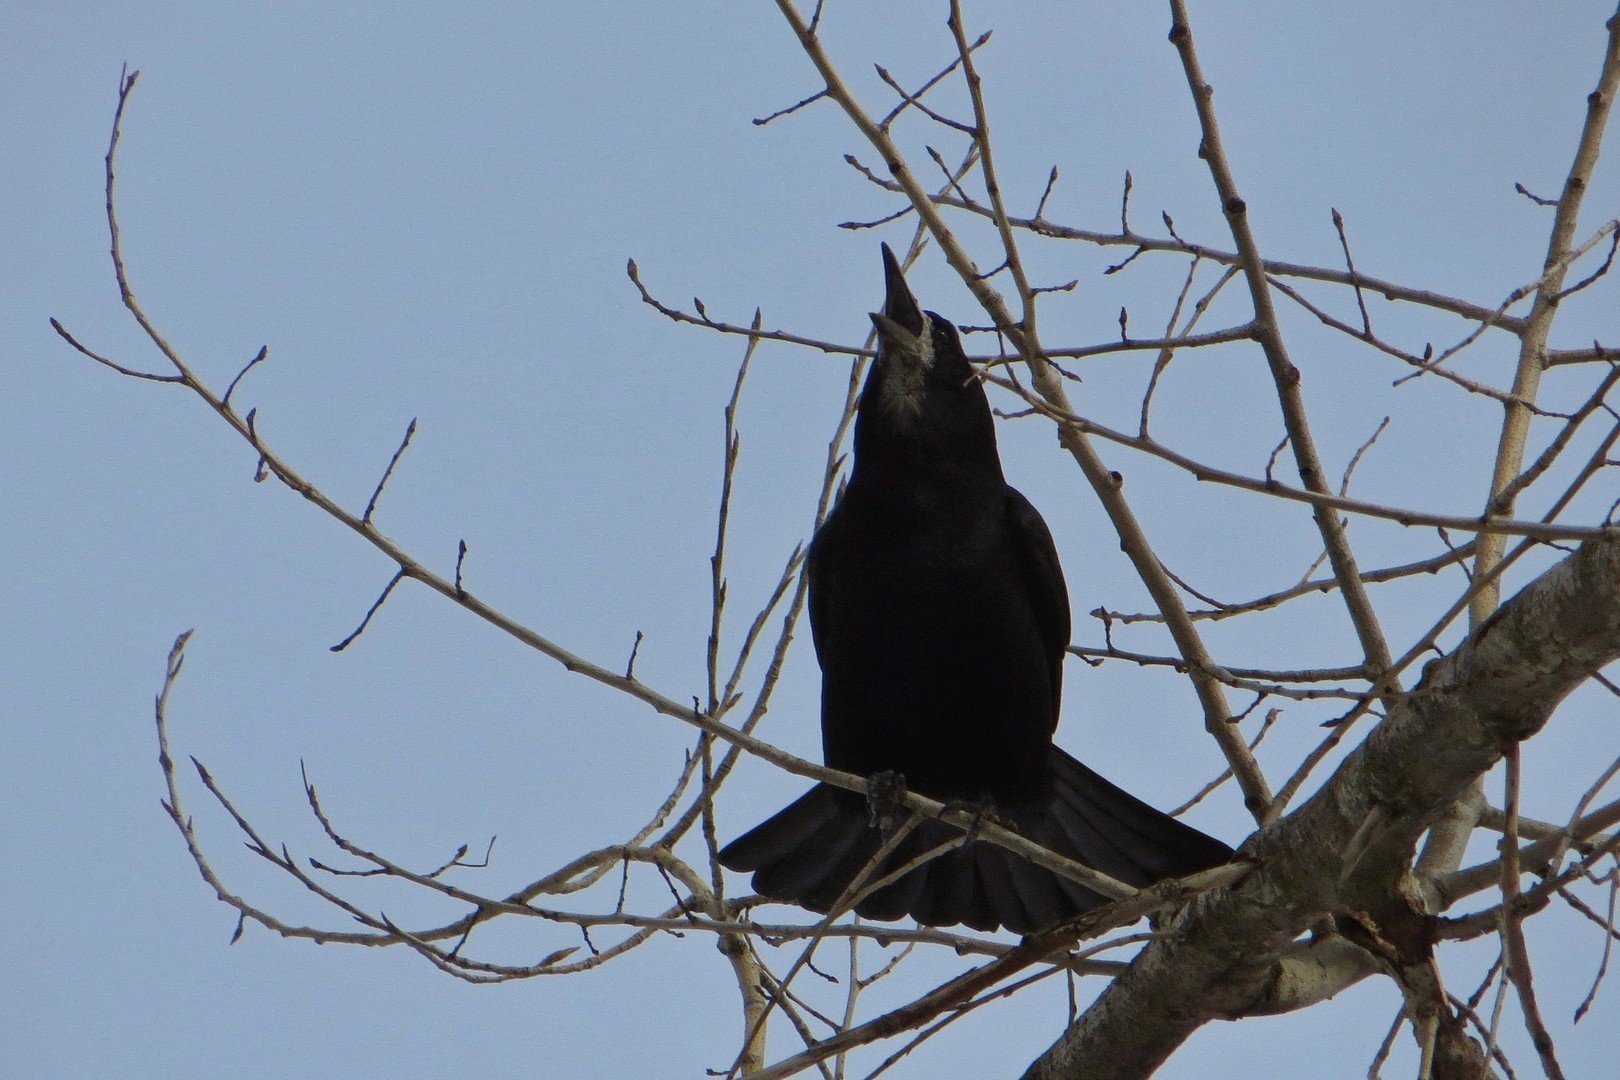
x=940, y=618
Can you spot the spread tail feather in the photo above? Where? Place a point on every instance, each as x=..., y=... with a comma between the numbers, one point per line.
x=813, y=850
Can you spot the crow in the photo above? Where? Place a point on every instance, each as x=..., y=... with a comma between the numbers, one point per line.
x=940, y=617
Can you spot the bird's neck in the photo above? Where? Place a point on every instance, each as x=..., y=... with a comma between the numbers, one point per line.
x=912, y=461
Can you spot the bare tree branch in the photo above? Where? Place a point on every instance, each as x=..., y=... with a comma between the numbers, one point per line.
x=1500, y=686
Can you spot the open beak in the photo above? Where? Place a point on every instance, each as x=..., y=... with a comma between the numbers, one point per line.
x=901, y=325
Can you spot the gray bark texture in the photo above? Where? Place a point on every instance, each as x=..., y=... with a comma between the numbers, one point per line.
x=1225, y=958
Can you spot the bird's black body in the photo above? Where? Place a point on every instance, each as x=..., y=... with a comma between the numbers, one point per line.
x=940, y=618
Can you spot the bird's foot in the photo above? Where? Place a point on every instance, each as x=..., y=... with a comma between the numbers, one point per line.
x=981, y=810
x=886, y=800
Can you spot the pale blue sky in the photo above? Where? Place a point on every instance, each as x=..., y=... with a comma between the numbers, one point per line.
x=427, y=214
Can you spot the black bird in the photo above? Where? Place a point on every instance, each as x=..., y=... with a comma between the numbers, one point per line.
x=940, y=617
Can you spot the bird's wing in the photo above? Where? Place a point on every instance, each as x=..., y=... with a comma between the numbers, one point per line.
x=1047, y=591
x=820, y=578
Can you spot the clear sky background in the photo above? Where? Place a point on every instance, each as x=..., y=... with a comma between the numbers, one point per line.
x=426, y=212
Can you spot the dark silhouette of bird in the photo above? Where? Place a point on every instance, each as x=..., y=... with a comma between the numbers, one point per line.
x=940, y=618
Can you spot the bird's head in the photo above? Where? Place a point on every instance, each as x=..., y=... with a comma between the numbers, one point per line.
x=919, y=352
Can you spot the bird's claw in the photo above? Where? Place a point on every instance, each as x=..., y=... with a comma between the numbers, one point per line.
x=885, y=800
x=980, y=810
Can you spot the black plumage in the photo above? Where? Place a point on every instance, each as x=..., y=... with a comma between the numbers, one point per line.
x=940, y=617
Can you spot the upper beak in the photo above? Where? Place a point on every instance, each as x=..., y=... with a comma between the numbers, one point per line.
x=901, y=321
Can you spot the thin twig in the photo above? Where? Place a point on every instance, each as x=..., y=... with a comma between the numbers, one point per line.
x=371, y=504
x=1350, y=265
x=259, y=357
x=62, y=332
x=376, y=605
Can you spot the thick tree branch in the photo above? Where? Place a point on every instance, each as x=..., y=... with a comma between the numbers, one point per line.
x=1544, y=309
x=1500, y=686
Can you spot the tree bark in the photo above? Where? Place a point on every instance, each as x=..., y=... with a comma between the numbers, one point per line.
x=1223, y=959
